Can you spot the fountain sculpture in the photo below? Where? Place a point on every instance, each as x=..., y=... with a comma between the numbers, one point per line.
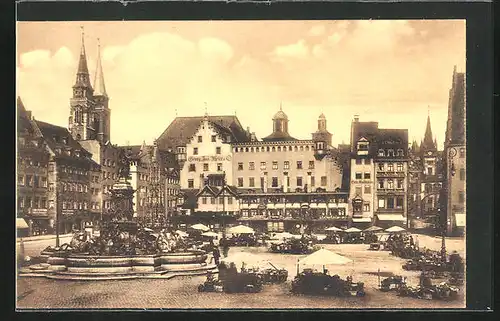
x=123, y=249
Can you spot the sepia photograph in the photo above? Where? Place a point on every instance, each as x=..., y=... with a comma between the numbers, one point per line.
x=241, y=164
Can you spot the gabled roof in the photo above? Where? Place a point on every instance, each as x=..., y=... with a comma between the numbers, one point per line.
x=279, y=137
x=211, y=190
x=230, y=189
x=182, y=129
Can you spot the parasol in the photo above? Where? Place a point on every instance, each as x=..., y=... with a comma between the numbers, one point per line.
x=210, y=234
x=373, y=229
x=241, y=257
x=352, y=230
x=241, y=229
x=324, y=257
x=280, y=236
x=200, y=227
x=395, y=229
x=334, y=229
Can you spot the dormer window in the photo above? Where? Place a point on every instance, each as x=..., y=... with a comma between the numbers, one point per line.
x=390, y=153
x=400, y=152
x=381, y=153
x=320, y=145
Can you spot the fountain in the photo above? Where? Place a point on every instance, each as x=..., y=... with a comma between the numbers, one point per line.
x=123, y=250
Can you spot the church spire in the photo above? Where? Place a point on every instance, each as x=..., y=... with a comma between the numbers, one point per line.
x=428, y=143
x=82, y=74
x=99, y=86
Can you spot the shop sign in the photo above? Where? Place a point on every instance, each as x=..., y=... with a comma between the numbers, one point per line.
x=39, y=212
x=68, y=212
x=209, y=158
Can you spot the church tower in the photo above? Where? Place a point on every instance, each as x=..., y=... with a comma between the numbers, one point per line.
x=82, y=120
x=322, y=137
x=101, y=100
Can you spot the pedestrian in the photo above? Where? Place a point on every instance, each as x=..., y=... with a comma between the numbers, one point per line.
x=225, y=246
x=216, y=255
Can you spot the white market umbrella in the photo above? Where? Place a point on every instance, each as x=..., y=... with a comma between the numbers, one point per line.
x=181, y=233
x=241, y=229
x=210, y=234
x=395, y=229
x=200, y=227
x=241, y=257
x=325, y=257
x=373, y=229
x=319, y=237
x=280, y=236
x=333, y=229
x=352, y=230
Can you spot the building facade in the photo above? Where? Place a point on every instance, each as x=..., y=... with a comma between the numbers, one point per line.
x=379, y=175
x=32, y=173
x=455, y=158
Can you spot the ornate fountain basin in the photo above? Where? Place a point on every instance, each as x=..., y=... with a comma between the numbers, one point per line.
x=189, y=257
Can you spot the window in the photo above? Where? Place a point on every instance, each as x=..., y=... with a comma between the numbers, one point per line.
x=381, y=152
x=214, y=138
x=29, y=181
x=205, y=167
x=368, y=161
x=311, y=164
x=400, y=167
x=43, y=203
x=358, y=175
x=313, y=181
x=359, y=161
x=195, y=151
x=218, y=150
x=240, y=181
x=251, y=182
x=461, y=197
x=286, y=165
x=219, y=167
x=323, y=180
x=381, y=167
x=367, y=175
x=357, y=191
x=274, y=182
x=399, y=183
x=212, y=200
x=381, y=183
x=20, y=180
x=262, y=182
x=200, y=139
x=390, y=202
x=221, y=200
x=381, y=203
x=192, y=167
x=299, y=164
x=462, y=152
x=251, y=166
x=36, y=181
x=399, y=202
x=390, y=184
x=262, y=165
x=190, y=183
x=390, y=153
x=390, y=167
x=400, y=152
x=368, y=189
x=299, y=181
x=462, y=174
x=240, y=166
x=230, y=200
x=320, y=145
x=429, y=170
x=366, y=207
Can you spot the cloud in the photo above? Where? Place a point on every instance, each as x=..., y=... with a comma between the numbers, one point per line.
x=35, y=57
x=296, y=50
x=215, y=49
x=317, y=30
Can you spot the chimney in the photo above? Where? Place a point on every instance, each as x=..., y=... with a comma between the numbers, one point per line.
x=356, y=118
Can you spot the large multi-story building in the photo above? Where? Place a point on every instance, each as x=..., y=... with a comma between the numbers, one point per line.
x=32, y=173
x=455, y=158
x=379, y=170
x=279, y=173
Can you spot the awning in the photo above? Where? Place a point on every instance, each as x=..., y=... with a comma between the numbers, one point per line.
x=361, y=219
x=391, y=217
x=21, y=223
x=460, y=220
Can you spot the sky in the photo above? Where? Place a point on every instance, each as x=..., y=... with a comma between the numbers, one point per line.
x=395, y=72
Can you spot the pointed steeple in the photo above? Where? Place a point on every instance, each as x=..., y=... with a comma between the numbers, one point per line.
x=99, y=86
x=428, y=143
x=82, y=74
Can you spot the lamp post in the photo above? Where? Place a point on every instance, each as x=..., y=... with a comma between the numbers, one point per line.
x=58, y=208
